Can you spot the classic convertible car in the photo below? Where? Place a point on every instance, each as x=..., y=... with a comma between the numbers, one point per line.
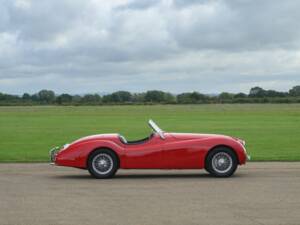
x=104, y=154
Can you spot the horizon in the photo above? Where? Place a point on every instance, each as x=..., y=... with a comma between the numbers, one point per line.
x=108, y=93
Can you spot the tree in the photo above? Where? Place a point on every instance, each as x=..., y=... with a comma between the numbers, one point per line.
x=46, y=96
x=198, y=97
x=26, y=96
x=138, y=97
x=118, y=97
x=9, y=98
x=295, y=91
x=193, y=97
x=154, y=96
x=76, y=99
x=240, y=95
x=184, y=98
x=169, y=98
x=35, y=97
x=272, y=93
x=226, y=96
x=91, y=98
x=64, y=98
x=257, y=92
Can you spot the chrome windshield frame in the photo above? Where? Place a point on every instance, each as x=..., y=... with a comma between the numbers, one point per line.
x=156, y=128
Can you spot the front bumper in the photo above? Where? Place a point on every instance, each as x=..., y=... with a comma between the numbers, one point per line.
x=248, y=157
x=52, y=153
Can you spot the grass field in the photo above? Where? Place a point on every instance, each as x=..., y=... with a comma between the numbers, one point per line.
x=272, y=132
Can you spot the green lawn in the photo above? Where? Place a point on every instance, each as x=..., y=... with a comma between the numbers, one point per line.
x=272, y=132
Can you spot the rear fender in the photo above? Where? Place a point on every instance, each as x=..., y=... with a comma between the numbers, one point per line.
x=85, y=149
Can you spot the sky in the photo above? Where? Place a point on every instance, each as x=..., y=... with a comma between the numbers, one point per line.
x=94, y=46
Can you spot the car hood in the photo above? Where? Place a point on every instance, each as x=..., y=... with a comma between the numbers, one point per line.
x=189, y=136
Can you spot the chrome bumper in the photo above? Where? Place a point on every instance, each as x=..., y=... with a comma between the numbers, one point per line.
x=52, y=154
x=248, y=157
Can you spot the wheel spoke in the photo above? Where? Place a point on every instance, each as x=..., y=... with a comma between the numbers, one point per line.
x=222, y=162
x=102, y=163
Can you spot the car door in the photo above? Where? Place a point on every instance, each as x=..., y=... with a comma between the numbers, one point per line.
x=181, y=154
x=147, y=155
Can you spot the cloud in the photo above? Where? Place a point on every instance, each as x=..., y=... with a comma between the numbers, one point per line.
x=174, y=45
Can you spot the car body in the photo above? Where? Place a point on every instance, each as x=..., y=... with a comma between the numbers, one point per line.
x=161, y=150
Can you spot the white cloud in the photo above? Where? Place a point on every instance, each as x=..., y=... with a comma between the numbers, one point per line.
x=173, y=45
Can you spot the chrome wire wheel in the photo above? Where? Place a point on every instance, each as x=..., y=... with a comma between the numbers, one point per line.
x=102, y=163
x=222, y=162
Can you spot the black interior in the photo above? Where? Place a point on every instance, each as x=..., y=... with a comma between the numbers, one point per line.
x=124, y=141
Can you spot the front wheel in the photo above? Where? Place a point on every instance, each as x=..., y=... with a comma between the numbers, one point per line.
x=103, y=164
x=221, y=162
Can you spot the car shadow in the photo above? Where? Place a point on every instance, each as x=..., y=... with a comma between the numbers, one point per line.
x=159, y=176
x=146, y=176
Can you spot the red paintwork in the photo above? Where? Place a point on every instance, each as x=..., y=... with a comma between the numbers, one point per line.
x=176, y=151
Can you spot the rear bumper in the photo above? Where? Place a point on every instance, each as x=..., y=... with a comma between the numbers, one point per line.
x=52, y=153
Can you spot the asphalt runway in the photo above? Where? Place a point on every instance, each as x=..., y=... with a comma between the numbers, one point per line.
x=259, y=193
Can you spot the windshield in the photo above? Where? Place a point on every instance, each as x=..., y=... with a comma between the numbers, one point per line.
x=156, y=129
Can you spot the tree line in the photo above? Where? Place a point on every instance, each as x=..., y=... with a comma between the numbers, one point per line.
x=255, y=95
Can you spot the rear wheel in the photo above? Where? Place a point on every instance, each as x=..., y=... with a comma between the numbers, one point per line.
x=221, y=162
x=103, y=163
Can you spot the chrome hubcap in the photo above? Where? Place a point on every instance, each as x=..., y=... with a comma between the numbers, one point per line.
x=222, y=162
x=102, y=163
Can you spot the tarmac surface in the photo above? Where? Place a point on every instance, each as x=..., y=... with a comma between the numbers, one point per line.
x=259, y=193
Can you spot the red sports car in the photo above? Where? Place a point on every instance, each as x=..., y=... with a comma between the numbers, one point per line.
x=104, y=154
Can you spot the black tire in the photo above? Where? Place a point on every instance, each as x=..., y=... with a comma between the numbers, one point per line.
x=227, y=167
x=103, y=163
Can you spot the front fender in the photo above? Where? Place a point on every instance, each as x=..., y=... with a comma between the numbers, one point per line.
x=208, y=144
x=229, y=142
